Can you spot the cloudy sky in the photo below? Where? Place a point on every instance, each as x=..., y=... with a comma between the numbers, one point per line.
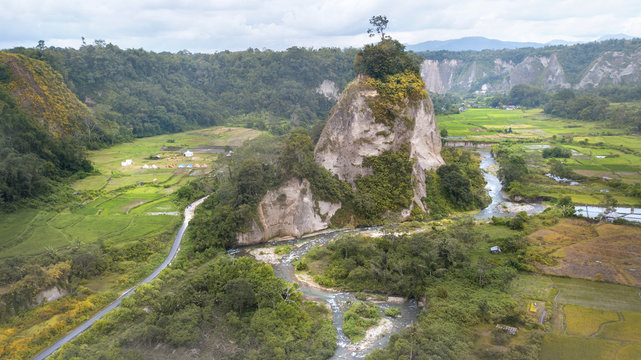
x=208, y=26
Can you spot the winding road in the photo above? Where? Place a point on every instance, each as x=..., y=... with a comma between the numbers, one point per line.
x=189, y=214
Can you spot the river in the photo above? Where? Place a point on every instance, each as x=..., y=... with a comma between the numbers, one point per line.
x=501, y=207
x=338, y=301
x=189, y=214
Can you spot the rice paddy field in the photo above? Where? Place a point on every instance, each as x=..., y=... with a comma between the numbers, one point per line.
x=121, y=205
x=585, y=319
x=599, y=154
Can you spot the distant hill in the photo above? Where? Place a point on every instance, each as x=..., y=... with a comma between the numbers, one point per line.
x=478, y=43
x=470, y=43
x=41, y=91
x=615, y=36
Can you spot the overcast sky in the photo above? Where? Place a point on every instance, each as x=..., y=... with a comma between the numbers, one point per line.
x=208, y=26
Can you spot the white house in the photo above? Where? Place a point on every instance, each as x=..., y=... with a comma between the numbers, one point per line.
x=188, y=153
x=126, y=162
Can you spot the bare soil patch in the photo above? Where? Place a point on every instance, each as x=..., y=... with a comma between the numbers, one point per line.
x=601, y=251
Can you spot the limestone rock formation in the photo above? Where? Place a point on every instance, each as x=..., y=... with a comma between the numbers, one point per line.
x=328, y=89
x=352, y=133
x=290, y=210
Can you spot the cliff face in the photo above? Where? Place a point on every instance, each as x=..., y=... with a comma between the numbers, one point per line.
x=499, y=75
x=290, y=210
x=352, y=133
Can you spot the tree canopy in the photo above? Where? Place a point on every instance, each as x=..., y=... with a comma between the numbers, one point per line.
x=388, y=57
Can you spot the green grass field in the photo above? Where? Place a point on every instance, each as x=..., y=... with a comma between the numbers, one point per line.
x=561, y=347
x=585, y=293
x=583, y=321
x=599, y=153
x=127, y=196
x=489, y=124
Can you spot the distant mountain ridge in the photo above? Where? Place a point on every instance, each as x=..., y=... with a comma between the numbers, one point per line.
x=478, y=43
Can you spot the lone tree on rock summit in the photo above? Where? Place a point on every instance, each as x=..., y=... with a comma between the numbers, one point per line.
x=388, y=57
x=380, y=24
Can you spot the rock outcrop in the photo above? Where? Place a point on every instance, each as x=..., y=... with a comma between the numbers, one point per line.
x=328, y=89
x=290, y=210
x=352, y=133
x=609, y=68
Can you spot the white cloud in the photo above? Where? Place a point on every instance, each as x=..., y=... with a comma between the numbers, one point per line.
x=208, y=25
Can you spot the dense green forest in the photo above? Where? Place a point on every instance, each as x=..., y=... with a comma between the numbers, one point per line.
x=226, y=308
x=153, y=93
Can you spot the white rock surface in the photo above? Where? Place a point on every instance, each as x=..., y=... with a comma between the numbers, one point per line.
x=290, y=210
x=328, y=89
x=52, y=294
x=351, y=134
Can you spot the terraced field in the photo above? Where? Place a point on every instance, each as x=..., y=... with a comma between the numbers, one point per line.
x=585, y=319
x=599, y=154
x=122, y=204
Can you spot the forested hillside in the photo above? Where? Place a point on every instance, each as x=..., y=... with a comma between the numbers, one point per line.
x=152, y=93
x=41, y=129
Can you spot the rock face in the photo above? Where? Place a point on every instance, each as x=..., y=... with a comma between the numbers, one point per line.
x=52, y=294
x=612, y=68
x=608, y=68
x=290, y=210
x=351, y=134
x=328, y=89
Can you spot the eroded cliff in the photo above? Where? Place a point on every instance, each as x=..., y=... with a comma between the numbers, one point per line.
x=290, y=210
x=352, y=133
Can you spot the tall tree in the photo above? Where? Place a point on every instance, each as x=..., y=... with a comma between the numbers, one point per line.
x=380, y=24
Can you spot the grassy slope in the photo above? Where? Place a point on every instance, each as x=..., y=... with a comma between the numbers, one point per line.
x=118, y=213
x=115, y=213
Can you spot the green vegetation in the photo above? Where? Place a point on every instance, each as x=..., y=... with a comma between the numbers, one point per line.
x=585, y=321
x=598, y=153
x=386, y=58
x=576, y=348
x=392, y=311
x=208, y=307
x=388, y=188
x=283, y=249
x=34, y=160
x=358, y=318
x=99, y=241
x=556, y=152
x=151, y=93
x=527, y=95
x=457, y=186
x=394, y=92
